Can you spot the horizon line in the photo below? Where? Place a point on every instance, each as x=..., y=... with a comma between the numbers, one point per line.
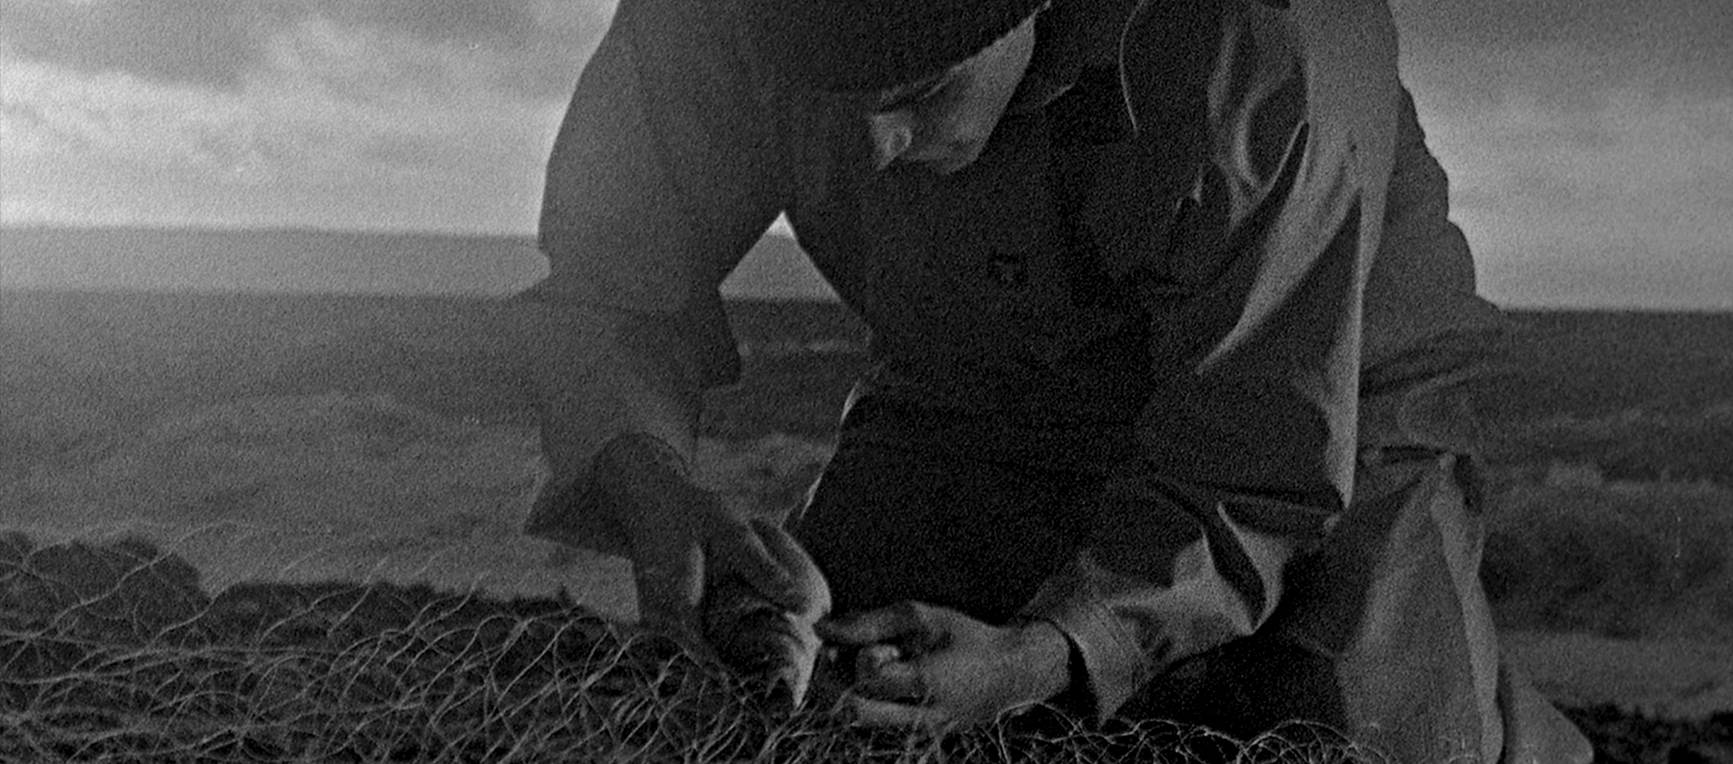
x=458, y=297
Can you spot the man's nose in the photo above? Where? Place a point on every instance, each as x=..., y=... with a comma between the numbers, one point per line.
x=892, y=135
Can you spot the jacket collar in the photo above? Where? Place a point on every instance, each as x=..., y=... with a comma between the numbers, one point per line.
x=1069, y=36
x=1072, y=35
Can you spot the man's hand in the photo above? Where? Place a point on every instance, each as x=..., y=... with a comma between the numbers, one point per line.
x=919, y=665
x=615, y=391
x=773, y=645
x=741, y=587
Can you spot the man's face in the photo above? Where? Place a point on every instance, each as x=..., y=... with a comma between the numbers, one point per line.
x=943, y=122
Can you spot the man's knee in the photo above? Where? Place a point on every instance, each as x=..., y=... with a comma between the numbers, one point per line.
x=1245, y=688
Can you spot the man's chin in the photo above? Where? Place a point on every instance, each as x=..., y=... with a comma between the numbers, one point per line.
x=951, y=162
x=951, y=166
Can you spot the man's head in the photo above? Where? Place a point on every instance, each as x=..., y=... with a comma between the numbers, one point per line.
x=931, y=77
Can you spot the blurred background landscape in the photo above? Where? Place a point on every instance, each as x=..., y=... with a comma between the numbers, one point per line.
x=363, y=436
x=252, y=256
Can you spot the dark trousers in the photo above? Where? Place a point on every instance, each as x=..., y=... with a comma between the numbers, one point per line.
x=1382, y=633
x=906, y=512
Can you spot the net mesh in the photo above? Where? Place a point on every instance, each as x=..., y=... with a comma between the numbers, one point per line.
x=111, y=652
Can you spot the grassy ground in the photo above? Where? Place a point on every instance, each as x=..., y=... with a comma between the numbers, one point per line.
x=1622, y=737
x=114, y=654
x=1570, y=550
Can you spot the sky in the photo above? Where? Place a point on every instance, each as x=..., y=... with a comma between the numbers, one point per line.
x=1590, y=142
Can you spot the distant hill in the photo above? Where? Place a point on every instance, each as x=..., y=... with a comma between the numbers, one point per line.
x=108, y=327
x=277, y=260
x=300, y=261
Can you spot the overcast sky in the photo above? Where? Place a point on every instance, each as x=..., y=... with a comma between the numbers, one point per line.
x=1590, y=142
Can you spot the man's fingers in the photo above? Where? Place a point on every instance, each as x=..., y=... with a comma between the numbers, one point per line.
x=902, y=622
x=780, y=674
x=670, y=582
x=808, y=591
x=900, y=681
x=885, y=713
x=741, y=550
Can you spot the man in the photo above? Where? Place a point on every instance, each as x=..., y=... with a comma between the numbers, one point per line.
x=1166, y=311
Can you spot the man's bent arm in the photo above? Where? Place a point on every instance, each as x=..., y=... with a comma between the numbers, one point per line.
x=1247, y=448
x=665, y=169
x=1129, y=617
x=1130, y=611
x=600, y=373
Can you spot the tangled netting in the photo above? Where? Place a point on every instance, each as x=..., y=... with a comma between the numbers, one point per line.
x=113, y=653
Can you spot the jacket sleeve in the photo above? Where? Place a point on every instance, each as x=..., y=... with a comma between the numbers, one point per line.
x=1131, y=608
x=1427, y=333
x=666, y=167
x=1247, y=448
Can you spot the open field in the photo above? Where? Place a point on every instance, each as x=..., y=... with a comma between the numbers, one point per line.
x=309, y=442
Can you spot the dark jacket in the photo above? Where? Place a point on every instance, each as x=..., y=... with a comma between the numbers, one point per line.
x=1209, y=250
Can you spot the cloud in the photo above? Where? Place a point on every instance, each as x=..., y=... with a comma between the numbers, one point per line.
x=1566, y=53
x=507, y=24
x=535, y=46
x=113, y=148
x=1639, y=157
x=1640, y=198
x=201, y=42
x=1587, y=142
x=340, y=185
x=248, y=92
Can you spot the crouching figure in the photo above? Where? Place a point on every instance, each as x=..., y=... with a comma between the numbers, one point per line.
x=1166, y=311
